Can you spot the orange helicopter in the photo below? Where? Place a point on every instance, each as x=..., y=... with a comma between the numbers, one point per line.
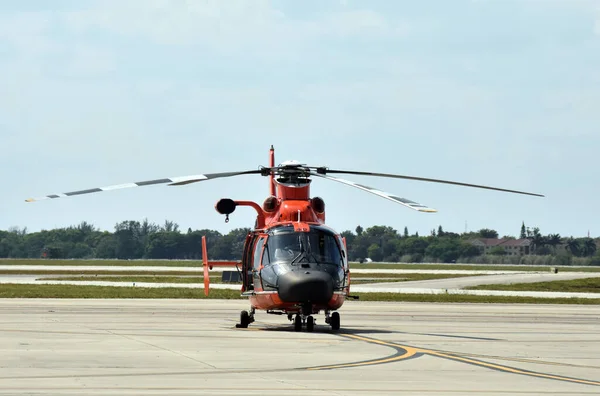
x=292, y=263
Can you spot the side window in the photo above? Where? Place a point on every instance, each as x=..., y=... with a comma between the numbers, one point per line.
x=257, y=252
x=344, y=252
x=265, y=257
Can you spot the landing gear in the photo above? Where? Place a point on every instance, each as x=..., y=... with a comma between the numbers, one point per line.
x=301, y=320
x=333, y=320
x=310, y=323
x=298, y=323
x=304, y=318
x=246, y=317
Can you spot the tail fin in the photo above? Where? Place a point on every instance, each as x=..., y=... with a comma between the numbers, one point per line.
x=209, y=265
x=205, y=265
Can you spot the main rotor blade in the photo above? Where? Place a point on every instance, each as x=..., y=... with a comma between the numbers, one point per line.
x=427, y=180
x=173, y=181
x=402, y=201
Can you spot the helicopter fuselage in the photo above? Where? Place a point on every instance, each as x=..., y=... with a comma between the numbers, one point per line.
x=292, y=262
x=295, y=268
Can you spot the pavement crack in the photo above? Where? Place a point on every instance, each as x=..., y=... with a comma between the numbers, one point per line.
x=162, y=348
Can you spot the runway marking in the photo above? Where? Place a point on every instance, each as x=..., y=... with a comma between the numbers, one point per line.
x=525, y=360
x=414, y=352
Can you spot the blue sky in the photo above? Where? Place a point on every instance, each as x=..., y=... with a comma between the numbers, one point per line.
x=503, y=93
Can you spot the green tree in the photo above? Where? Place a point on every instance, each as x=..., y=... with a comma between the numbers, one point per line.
x=488, y=233
x=170, y=226
x=588, y=247
x=573, y=246
x=374, y=252
x=538, y=240
x=107, y=248
x=553, y=240
x=444, y=249
x=497, y=251
x=164, y=245
x=350, y=238
x=129, y=244
x=523, y=231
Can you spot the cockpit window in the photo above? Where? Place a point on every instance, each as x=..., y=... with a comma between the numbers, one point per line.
x=324, y=248
x=316, y=246
x=285, y=247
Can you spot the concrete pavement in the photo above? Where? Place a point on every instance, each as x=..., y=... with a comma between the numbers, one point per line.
x=191, y=347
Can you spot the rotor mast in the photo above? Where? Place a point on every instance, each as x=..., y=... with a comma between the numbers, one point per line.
x=272, y=190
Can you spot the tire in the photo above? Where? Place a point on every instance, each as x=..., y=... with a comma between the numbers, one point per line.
x=298, y=323
x=244, y=319
x=310, y=323
x=335, y=321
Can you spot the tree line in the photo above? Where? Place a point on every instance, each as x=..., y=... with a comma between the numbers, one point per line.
x=145, y=240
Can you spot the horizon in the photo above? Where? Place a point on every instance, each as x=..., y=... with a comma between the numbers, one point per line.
x=399, y=231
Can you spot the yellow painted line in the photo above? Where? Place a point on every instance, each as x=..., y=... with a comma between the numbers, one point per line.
x=521, y=360
x=410, y=352
x=510, y=369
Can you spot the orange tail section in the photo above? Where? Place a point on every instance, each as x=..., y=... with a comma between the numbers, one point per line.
x=209, y=265
x=205, y=265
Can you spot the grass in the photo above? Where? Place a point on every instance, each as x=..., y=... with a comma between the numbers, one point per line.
x=136, y=278
x=478, y=267
x=74, y=291
x=356, y=279
x=587, y=285
x=144, y=263
x=95, y=272
x=104, y=292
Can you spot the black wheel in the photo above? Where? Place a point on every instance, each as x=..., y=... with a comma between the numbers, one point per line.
x=335, y=321
x=310, y=323
x=298, y=323
x=244, y=319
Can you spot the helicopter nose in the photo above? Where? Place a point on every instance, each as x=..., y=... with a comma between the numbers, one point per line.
x=306, y=286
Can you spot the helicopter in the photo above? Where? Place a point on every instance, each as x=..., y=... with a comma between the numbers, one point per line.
x=292, y=262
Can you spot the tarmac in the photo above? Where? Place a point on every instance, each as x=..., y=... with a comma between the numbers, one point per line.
x=191, y=347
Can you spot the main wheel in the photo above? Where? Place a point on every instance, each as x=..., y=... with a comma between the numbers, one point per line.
x=335, y=321
x=298, y=323
x=310, y=323
x=244, y=319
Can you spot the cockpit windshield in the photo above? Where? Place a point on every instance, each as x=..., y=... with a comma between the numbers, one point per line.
x=315, y=246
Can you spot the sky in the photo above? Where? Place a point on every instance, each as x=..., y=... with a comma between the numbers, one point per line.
x=501, y=93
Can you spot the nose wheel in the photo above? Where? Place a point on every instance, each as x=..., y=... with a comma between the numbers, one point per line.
x=246, y=317
x=333, y=320
x=301, y=320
